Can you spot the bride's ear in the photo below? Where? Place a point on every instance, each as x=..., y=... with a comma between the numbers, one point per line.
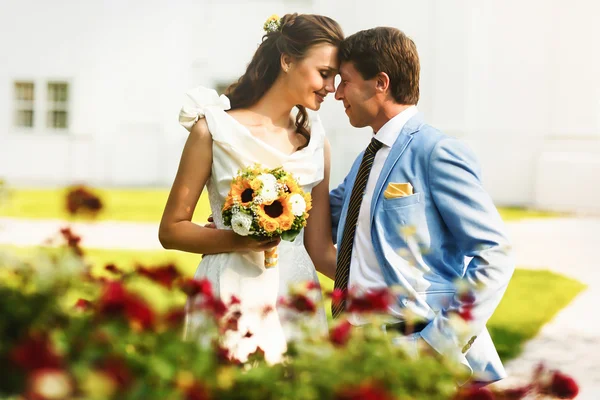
x=286, y=62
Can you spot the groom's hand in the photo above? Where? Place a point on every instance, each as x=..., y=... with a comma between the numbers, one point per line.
x=211, y=223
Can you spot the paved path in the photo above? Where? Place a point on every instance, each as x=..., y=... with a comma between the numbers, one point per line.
x=571, y=341
x=570, y=246
x=101, y=235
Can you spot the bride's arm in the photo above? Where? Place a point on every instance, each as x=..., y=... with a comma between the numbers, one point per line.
x=177, y=231
x=317, y=234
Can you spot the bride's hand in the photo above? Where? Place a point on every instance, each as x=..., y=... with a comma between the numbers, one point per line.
x=248, y=243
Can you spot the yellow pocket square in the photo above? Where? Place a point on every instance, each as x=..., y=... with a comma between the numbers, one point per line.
x=395, y=190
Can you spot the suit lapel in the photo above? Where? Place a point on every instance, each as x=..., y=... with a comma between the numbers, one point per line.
x=406, y=135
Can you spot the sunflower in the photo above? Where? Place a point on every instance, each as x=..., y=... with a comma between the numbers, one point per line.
x=286, y=212
x=279, y=211
x=292, y=185
x=241, y=191
x=228, y=202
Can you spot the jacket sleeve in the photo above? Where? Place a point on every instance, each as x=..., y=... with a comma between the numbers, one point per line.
x=475, y=224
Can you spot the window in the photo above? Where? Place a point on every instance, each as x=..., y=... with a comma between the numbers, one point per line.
x=58, y=105
x=24, y=98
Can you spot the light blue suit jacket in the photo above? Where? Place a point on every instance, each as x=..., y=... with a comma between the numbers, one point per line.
x=447, y=231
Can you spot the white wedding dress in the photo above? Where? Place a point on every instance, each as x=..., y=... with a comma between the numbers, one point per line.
x=242, y=273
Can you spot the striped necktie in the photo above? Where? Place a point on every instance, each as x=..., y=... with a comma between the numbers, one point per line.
x=342, y=272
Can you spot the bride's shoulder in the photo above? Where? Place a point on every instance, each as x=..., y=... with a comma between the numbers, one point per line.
x=196, y=103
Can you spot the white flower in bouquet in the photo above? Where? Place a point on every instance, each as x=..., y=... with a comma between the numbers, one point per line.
x=298, y=204
x=241, y=223
x=268, y=179
x=269, y=189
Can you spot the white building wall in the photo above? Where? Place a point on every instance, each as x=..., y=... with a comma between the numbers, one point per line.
x=516, y=79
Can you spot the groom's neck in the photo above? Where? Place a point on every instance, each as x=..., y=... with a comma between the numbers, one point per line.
x=387, y=111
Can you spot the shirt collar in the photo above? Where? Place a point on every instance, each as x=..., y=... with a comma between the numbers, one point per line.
x=390, y=131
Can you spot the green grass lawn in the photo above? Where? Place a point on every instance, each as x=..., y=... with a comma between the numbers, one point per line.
x=532, y=298
x=143, y=205
x=517, y=213
x=139, y=205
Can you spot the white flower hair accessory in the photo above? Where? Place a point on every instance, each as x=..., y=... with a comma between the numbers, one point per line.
x=272, y=24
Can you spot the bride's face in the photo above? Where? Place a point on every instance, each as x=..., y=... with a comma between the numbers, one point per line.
x=312, y=78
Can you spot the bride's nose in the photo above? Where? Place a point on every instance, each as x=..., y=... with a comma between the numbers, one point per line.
x=330, y=86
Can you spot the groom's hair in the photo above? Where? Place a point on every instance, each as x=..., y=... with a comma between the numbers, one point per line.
x=388, y=50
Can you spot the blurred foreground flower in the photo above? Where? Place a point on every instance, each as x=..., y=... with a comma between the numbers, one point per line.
x=82, y=337
x=365, y=391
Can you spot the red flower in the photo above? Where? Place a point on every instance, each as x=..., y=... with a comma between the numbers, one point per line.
x=366, y=391
x=466, y=313
x=35, y=352
x=467, y=298
x=192, y=287
x=117, y=369
x=115, y=299
x=302, y=303
x=174, y=317
x=475, y=393
x=138, y=313
x=197, y=392
x=163, y=275
x=83, y=305
x=372, y=301
x=72, y=240
x=337, y=296
x=217, y=307
x=258, y=355
x=224, y=356
x=515, y=393
x=341, y=333
x=562, y=386
x=268, y=309
x=231, y=324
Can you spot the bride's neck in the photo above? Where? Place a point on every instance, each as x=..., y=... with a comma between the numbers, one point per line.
x=275, y=105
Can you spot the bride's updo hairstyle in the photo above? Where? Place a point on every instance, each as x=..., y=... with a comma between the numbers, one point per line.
x=293, y=35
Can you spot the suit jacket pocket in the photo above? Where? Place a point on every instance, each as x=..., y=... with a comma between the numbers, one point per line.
x=401, y=201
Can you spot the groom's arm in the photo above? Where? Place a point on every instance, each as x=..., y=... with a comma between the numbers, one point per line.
x=473, y=220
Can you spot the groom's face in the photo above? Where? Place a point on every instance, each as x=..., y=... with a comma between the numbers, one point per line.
x=357, y=95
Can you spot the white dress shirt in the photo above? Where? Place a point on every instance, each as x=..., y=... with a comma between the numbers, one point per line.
x=365, y=271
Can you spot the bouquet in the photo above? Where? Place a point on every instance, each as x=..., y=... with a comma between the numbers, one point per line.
x=265, y=203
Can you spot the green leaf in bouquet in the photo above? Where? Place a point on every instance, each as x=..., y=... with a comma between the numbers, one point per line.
x=290, y=235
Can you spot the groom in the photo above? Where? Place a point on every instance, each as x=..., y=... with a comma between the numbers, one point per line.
x=412, y=211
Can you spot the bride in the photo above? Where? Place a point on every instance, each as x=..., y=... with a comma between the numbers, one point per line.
x=262, y=119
